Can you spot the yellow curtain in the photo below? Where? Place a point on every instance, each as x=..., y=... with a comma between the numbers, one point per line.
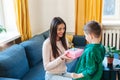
x=86, y=10
x=22, y=17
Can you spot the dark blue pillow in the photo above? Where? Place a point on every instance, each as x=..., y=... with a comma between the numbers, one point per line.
x=79, y=41
x=33, y=48
x=13, y=62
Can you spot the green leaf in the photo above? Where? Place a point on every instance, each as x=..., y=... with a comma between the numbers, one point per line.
x=113, y=48
x=110, y=51
x=2, y=29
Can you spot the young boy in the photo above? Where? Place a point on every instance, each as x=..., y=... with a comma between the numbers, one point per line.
x=89, y=66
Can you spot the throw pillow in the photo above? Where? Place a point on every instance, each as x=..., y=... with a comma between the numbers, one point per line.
x=13, y=62
x=69, y=40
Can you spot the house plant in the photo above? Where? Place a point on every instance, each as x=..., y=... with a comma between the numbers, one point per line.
x=110, y=51
x=2, y=29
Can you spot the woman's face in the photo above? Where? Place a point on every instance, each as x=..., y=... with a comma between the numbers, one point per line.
x=60, y=30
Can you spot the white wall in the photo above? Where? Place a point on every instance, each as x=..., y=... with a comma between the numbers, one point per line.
x=43, y=11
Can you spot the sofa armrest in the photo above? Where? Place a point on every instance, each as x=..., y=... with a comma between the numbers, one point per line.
x=79, y=41
x=4, y=78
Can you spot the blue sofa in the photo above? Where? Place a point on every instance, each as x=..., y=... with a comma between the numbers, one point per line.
x=24, y=61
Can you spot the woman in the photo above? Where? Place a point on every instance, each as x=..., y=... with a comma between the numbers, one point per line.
x=54, y=58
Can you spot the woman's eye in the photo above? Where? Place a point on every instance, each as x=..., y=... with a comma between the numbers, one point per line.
x=59, y=29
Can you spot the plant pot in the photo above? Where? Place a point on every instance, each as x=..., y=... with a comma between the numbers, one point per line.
x=110, y=62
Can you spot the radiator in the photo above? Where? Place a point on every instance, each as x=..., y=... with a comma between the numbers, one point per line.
x=111, y=38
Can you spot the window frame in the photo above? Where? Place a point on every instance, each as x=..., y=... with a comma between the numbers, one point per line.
x=115, y=17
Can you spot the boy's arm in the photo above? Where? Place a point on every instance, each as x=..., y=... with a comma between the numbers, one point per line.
x=75, y=75
x=91, y=65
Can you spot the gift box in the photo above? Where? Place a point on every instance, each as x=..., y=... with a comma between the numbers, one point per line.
x=74, y=52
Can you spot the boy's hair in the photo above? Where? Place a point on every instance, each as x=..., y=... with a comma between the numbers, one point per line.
x=93, y=27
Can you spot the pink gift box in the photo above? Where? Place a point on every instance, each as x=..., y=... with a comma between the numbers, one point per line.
x=74, y=53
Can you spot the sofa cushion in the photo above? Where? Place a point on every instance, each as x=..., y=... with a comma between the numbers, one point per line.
x=33, y=48
x=37, y=37
x=46, y=34
x=13, y=62
x=36, y=73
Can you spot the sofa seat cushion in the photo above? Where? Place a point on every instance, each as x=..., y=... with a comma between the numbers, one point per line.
x=13, y=62
x=35, y=73
x=33, y=48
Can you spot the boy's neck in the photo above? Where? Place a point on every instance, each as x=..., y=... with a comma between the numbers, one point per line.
x=95, y=41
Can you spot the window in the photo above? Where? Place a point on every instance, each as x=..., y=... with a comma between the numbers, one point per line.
x=7, y=20
x=111, y=10
x=109, y=7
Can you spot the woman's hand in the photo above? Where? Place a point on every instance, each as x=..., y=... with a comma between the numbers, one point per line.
x=65, y=57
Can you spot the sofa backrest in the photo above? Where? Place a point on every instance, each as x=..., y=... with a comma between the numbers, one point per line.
x=46, y=34
x=33, y=49
x=13, y=62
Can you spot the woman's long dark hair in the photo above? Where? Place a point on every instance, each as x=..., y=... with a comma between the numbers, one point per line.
x=53, y=35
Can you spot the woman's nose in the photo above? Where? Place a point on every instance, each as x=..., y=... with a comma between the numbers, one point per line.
x=62, y=30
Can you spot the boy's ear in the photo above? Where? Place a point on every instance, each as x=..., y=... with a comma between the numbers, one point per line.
x=91, y=36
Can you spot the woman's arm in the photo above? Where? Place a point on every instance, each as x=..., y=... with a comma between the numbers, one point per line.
x=91, y=65
x=46, y=53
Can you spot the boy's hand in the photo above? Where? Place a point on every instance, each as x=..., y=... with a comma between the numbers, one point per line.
x=75, y=76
